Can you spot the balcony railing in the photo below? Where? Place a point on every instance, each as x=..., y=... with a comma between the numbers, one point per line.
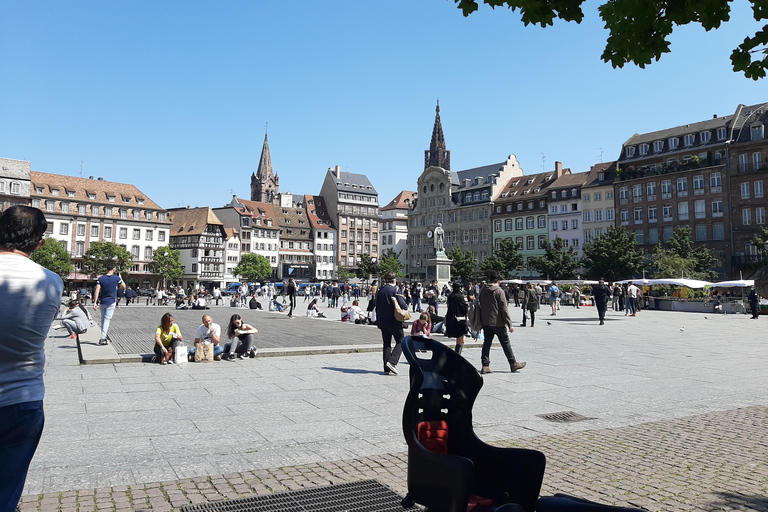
x=632, y=172
x=750, y=167
x=746, y=259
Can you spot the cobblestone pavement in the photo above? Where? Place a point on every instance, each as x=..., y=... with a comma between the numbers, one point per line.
x=678, y=403
x=708, y=462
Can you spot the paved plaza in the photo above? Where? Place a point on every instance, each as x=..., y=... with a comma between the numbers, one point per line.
x=677, y=403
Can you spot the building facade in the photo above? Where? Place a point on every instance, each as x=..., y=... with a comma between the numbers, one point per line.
x=81, y=211
x=394, y=225
x=747, y=176
x=598, y=208
x=677, y=177
x=564, y=202
x=199, y=237
x=297, y=257
x=461, y=201
x=324, y=235
x=15, y=182
x=520, y=214
x=353, y=207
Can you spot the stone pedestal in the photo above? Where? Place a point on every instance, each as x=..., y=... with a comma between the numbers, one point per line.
x=439, y=268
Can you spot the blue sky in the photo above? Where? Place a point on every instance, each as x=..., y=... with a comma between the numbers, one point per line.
x=174, y=96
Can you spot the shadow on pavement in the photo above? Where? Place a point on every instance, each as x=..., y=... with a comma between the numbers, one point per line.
x=734, y=501
x=350, y=370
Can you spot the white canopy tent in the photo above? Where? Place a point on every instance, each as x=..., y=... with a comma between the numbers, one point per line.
x=741, y=283
x=688, y=283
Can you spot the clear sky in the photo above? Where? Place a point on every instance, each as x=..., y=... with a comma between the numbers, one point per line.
x=174, y=96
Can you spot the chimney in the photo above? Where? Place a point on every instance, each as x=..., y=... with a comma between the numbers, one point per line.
x=338, y=171
x=100, y=178
x=90, y=177
x=558, y=169
x=714, y=116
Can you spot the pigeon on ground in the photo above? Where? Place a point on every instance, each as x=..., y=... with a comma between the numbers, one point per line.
x=682, y=329
x=549, y=323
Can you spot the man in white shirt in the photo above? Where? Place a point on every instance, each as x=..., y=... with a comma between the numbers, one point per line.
x=29, y=301
x=209, y=332
x=356, y=314
x=633, y=292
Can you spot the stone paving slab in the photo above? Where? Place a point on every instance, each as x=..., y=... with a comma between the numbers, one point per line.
x=708, y=462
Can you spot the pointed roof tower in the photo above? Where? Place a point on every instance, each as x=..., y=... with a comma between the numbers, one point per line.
x=265, y=162
x=437, y=155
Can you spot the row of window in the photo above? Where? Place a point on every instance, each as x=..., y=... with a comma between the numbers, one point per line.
x=470, y=197
x=467, y=236
x=90, y=195
x=533, y=243
x=50, y=206
x=564, y=224
x=358, y=210
x=519, y=206
x=360, y=236
x=689, y=140
x=452, y=216
x=13, y=188
x=107, y=232
x=598, y=196
x=701, y=233
x=609, y=214
x=358, y=197
x=541, y=222
x=135, y=250
x=360, y=223
x=360, y=248
x=699, y=209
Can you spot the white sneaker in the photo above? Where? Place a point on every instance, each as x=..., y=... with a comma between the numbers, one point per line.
x=391, y=367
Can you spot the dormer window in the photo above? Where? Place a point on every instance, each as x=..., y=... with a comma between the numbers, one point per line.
x=554, y=194
x=111, y=199
x=601, y=176
x=54, y=191
x=564, y=194
x=574, y=192
x=722, y=133
x=705, y=137
x=39, y=190
x=674, y=142
x=547, y=177
x=531, y=180
x=126, y=199
x=91, y=195
x=141, y=201
x=70, y=193
x=688, y=140
x=756, y=131
x=643, y=149
x=630, y=151
x=468, y=197
x=514, y=183
x=658, y=145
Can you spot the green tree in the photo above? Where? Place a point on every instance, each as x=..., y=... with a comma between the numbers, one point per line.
x=558, y=262
x=390, y=262
x=510, y=255
x=344, y=273
x=253, y=267
x=638, y=31
x=494, y=263
x=366, y=267
x=669, y=264
x=54, y=257
x=463, y=264
x=681, y=244
x=613, y=255
x=166, y=262
x=100, y=256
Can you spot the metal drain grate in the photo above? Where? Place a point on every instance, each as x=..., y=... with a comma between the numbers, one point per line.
x=365, y=496
x=564, y=417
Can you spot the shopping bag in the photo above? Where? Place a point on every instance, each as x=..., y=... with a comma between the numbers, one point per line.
x=181, y=354
x=204, y=352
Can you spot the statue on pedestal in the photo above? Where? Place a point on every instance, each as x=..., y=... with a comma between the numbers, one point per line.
x=439, y=240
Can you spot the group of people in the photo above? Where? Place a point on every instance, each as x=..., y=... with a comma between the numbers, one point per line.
x=207, y=337
x=486, y=311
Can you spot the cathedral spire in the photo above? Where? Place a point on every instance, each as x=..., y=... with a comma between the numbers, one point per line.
x=437, y=155
x=265, y=162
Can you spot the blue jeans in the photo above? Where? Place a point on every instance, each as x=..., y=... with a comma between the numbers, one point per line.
x=21, y=426
x=106, y=317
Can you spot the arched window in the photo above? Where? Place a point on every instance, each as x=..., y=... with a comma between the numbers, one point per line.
x=477, y=196
x=469, y=197
x=485, y=194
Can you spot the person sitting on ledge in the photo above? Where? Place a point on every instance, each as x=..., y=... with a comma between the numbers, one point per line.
x=166, y=337
x=241, y=336
x=253, y=303
x=200, y=303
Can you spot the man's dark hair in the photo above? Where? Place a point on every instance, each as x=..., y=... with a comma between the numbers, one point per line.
x=22, y=228
x=492, y=276
x=456, y=287
x=389, y=277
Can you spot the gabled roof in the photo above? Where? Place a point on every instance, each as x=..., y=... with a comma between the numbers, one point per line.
x=123, y=194
x=608, y=169
x=261, y=211
x=530, y=186
x=192, y=221
x=458, y=177
x=402, y=201
x=292, y=222
x=570, y=180
x=317, y=212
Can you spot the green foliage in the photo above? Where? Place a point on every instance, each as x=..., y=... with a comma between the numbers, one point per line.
x=680, y=257
x=613, y=255
x=639, y=31
x=463, y=265
x=493, y=263
x=510, y=255
x=390, y=262
x=366, y=268
x=558, y=262
x=100, y=256
x=253, y=267
x=344, y=273
x=760, y=241
x=54, y=257
x=166, y=262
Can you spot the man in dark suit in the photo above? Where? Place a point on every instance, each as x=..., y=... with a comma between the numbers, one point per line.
x=390, y=327
x=601, y=293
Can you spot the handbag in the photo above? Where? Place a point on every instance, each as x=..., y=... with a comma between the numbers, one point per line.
x=401, y=315
x=204, y=352
x=181, y=354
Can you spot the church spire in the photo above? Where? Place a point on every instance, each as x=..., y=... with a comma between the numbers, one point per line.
x=437, y=155
x=264, y=185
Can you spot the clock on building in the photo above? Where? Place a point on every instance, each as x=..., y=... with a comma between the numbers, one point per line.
x=429, y=234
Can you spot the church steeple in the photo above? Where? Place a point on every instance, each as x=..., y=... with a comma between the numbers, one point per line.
x=437, y=155
x=264, y=184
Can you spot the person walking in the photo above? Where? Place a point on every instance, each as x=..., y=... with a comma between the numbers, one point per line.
x=576, y=296
x=456, y=317
x=29, y=302
x=554, y=294
x=633, y=292
x=495, y=318
x=531, y=302
x=600, y=294
x=290, y=290
x=105, y=296
x=389, y=326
